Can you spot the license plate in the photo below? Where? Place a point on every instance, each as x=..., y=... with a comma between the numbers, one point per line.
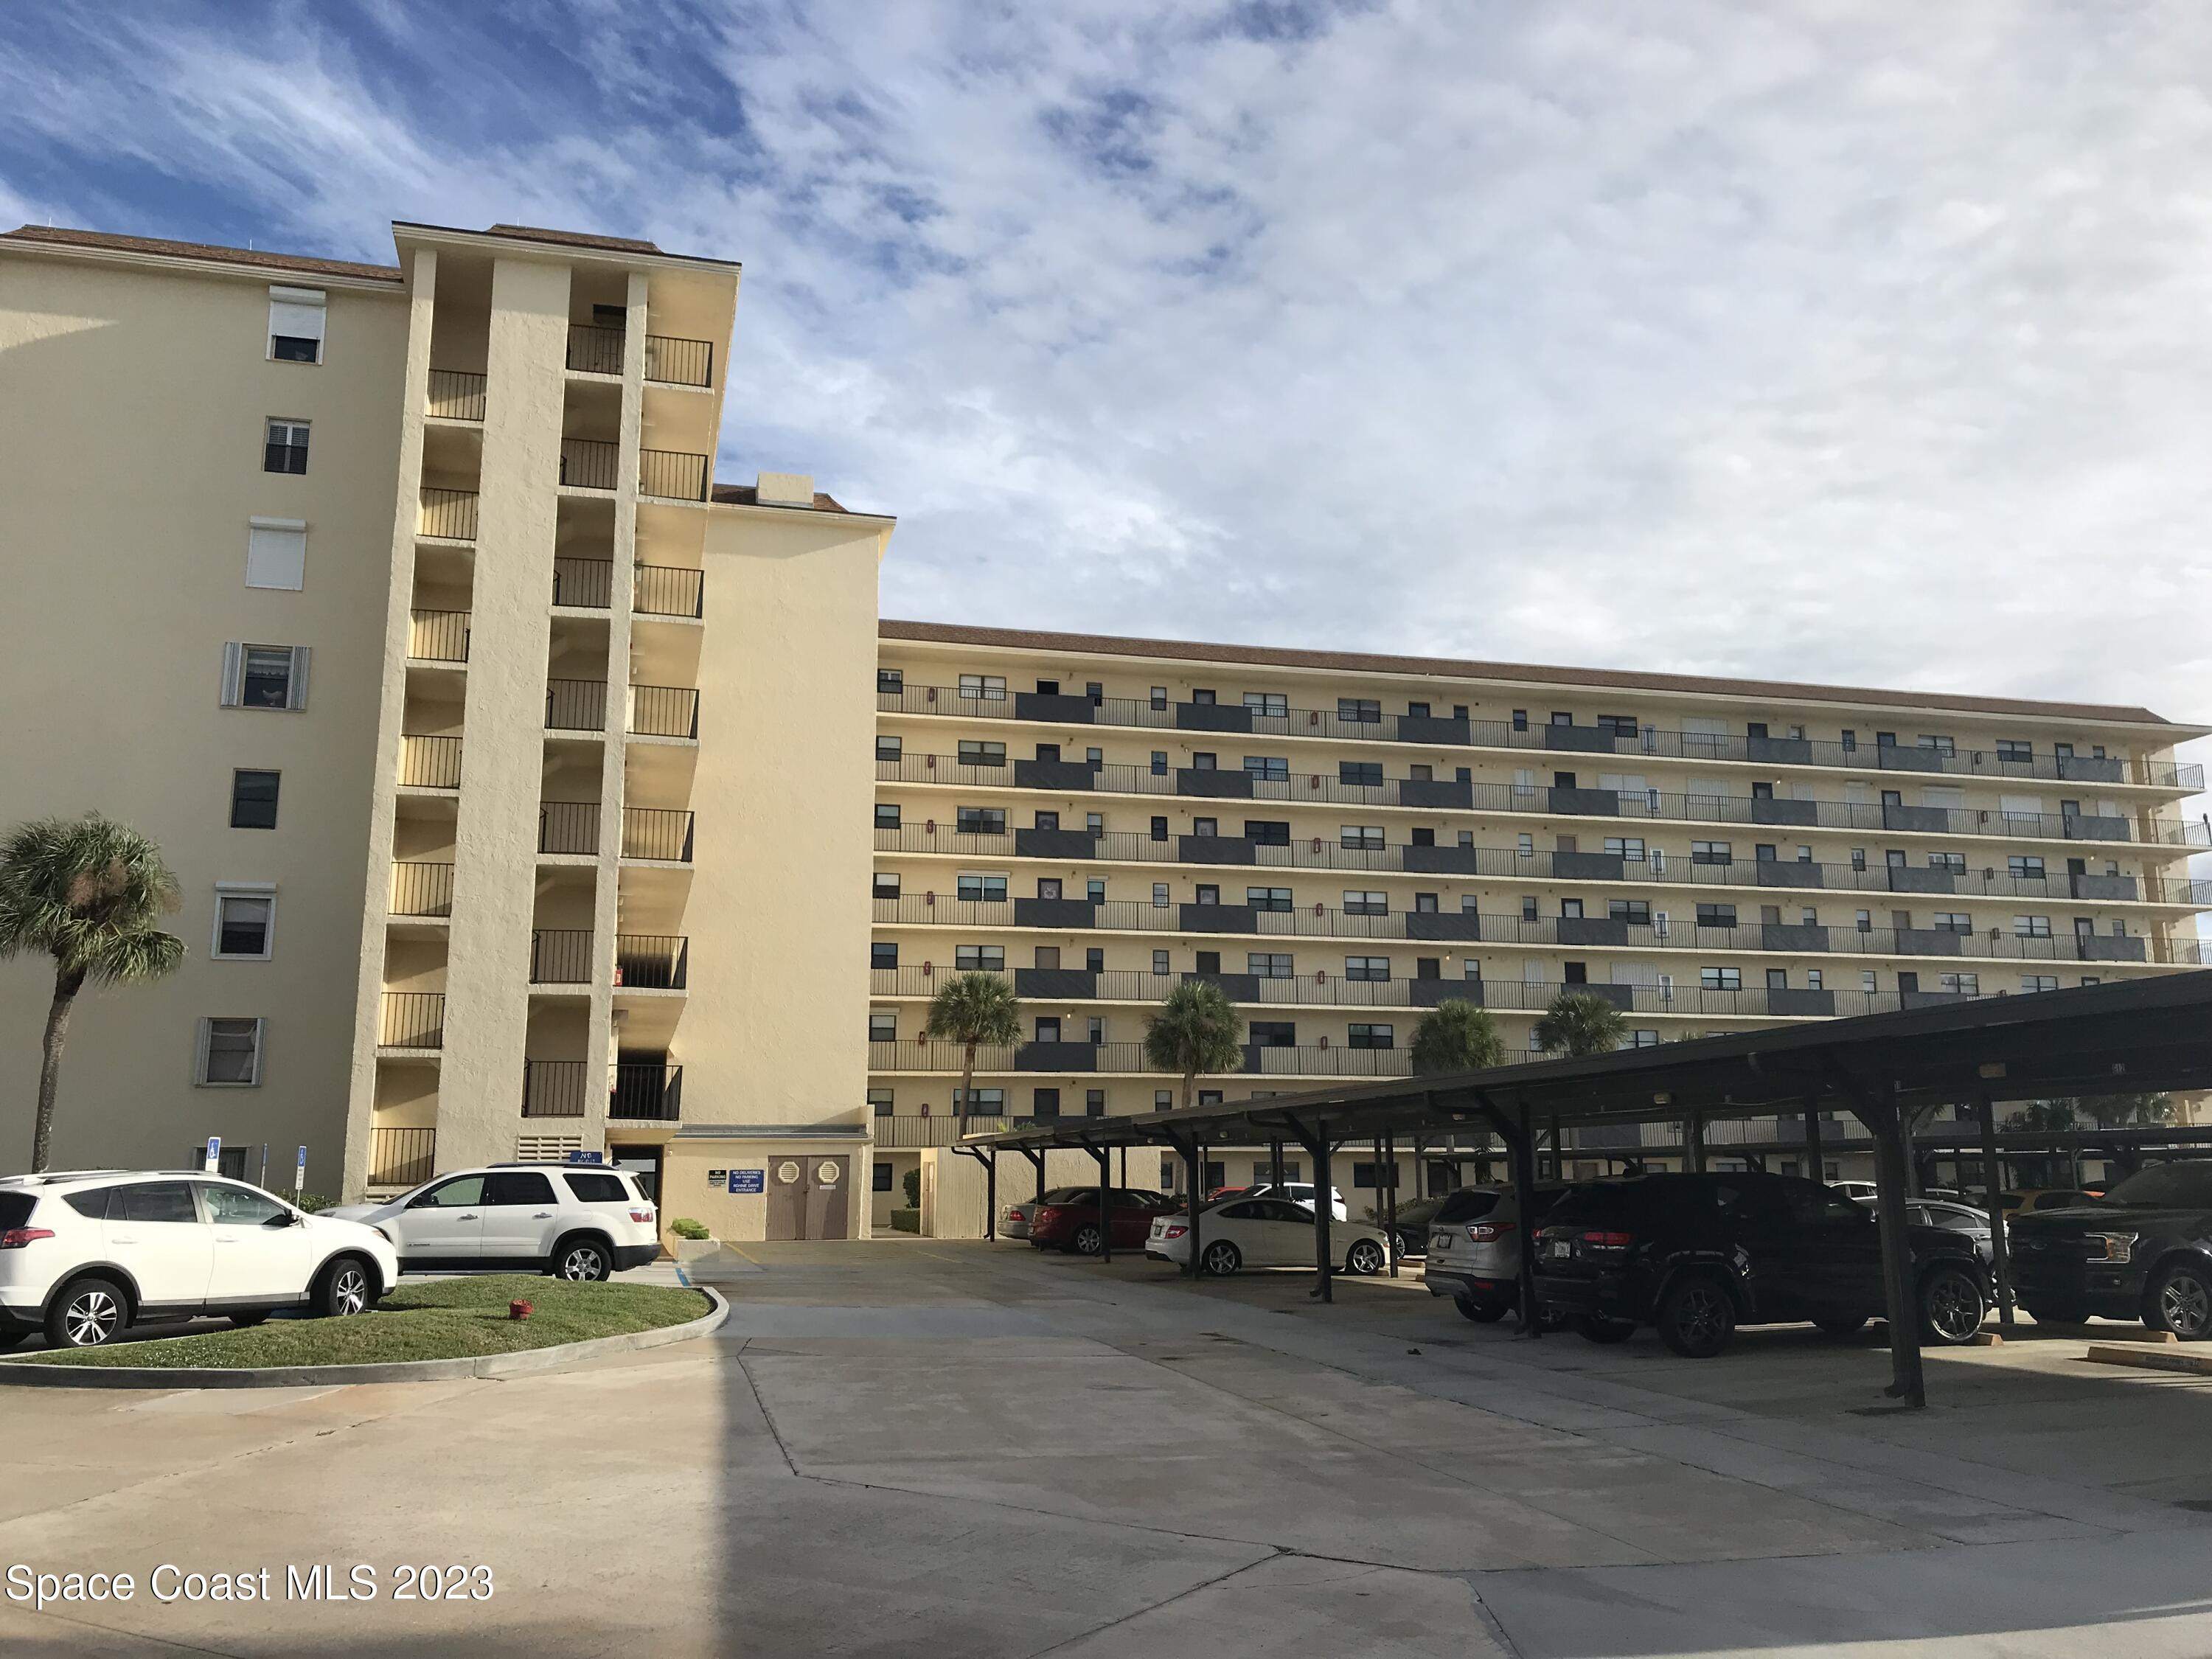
x=1559, y=1248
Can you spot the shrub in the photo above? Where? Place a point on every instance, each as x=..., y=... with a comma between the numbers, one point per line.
x=913, y=1184
x=685, y=1227
x=906, y=1221
x=311, y=1202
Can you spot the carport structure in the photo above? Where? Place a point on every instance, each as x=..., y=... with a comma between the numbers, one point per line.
x=1888, y=1069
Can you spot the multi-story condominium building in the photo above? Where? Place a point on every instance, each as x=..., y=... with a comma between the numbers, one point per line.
x=1342, y=841
x=482, y=728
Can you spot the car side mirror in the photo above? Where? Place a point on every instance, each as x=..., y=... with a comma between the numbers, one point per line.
x=282, y=1218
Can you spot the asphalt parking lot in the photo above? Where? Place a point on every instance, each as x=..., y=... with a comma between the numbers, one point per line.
x=913, y=1446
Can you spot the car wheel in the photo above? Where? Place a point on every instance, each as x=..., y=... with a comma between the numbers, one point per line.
x=1089, y=1240
x=247, y=1322
x=1596, y=1328
x=2182, y=1302
x=1223, y=1259
x=1696, y=1318
x=1842, y=1324
x=1364, y=1258
x=345, y=1288
x=88, y=1314
x=583, y=1260
x=1952, y=1306
x=1482, y=1313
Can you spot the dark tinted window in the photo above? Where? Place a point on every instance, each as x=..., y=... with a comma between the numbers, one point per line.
x=159, y=1200
x=1251, y=1211
x=1469, y=1204
x=94, y=1203
x=1073, y=1195
x=1281, y=1209
x=253, y=801
x=520, y=1186
x=2182, y=1186
x=16, y=1207
x=609, y=1189
x=1060, y=1195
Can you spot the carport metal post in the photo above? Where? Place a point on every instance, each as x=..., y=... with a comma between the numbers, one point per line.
x=1274, y=1160
x=1812, y=1137
x=1193, y=1163
x=1693, y=1142
x=1324, y=1213
x=1036, y=1156
x=1877, y=1109
x=2000, y=1248
x=1105, y=1197
x=990, y=1194
x=1519, y=1152
x=1386, y=1169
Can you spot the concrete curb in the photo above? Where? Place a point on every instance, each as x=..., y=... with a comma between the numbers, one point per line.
x=17, y=1374
x=2151, y=1359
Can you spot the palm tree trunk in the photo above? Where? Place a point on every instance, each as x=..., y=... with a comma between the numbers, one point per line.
x=1189, y=1079
x=967, y=1090
x=68, y=982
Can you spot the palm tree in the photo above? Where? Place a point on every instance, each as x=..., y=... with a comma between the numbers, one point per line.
x=1456, y=1036
x=1580, y=1023
x=1196, y=1030
x=971, y=1009
x=87, y=892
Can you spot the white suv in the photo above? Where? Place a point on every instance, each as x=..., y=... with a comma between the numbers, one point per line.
x=86, y=1253
x=572, y=1220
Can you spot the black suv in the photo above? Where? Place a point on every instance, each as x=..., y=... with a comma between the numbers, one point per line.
x=1696, y=1255
x=2142, y=1251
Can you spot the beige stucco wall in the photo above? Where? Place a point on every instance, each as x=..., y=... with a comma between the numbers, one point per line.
x=132, y=403
x=742, y=1218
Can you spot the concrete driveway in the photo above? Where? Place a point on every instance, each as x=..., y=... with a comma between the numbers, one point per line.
x=908, y=1447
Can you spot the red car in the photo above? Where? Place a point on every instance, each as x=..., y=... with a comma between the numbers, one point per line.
x=1068, y=1219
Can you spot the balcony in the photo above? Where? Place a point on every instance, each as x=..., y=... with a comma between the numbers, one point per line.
x=1078, y=1059
x=438, y=635
x=583, y=584
x=427, y=763
x=590, y=464
x=656, y=590
x=664, y=711
x=659, y=835
x=575, y=705
x=561, y=956
x=447, y=515
x=652, y=962
x=411, y=1020
x=666, y=474
x=454, y=395
x=647, y=1094
x=422, y=889
x=632, y=1093
x=1434, y=731
x=595, y=350
x=669, y=358
x=399, y=1158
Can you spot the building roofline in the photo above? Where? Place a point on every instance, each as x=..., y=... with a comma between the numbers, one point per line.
x=747, y=495
x=65, y=239
x=622, y=248
x=1454, y=668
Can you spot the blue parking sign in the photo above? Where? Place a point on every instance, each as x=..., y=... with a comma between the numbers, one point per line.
x=749, y=1180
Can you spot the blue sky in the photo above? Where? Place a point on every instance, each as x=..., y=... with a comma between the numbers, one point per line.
x=1865, y=342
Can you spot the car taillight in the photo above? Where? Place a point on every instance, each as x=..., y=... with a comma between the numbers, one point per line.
x=641, y=1215
x=1486, y=1232
x=16, y=1237
x=1602, y=1241
x=1173, y=1231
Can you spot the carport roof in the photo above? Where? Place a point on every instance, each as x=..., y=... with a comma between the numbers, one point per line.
x=2127, y=1037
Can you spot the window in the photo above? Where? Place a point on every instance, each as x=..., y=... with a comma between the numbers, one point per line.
x=1160, y=962
x=879, y=1102
x=518, y=1187
x=1202, y=762
x=2032, y=926
x=1865, y=921
x=887, y=814
x=2038, y=981
x=1208, y=893
x=985, y=688
x=1813, y=978
x=1367, y=968
x=1954, y=921
x=879, y=1177
x=1267, y=702
x=890, y=682
x=1095, y=690
x=1159, y=763
x=2025, y=866
x=2015, y=749
x=253, y=801
x=1777, y=978
x=1571, y=909
x=1203, y=698
x=1630, y=847
x=1953, y=862
x=1941, y=746
x=1273, y=768
x=983, y=1103
x=1617, y=725
x=1205, y=826
x=1094, y=823
x=1525, y=846
x=974, y=752
x=890, y=748
x=1094, y=889
x=1644, y=1039
x=1163, y=1101
x=1710, y=852
x=1094, y=960
x=295, y=324
x=1636, y=913
x=1044, y=1102
x=1159, y=895
x=1159, y=698
x=284, y=447
x=883, y=1028
x=1159, y=828
x=1720, y=979
x=1094, y=1103
x=264, y=676
x=1366, y=774
x=1045, y=955
x=1362, y=837
x=245, y=921
x=1267, y=898
x=1527, y=906
x=1048, y=887
x=1267, y=832
x=1361, y=903
x=229, y=1053
x=1371, y=1037
x=887, y=884
x=1964, y=985
x=1047, y=1028
x=1866, y=981
x=1268, y=964
x=979, y=958
x=2063, y=751
x=979, y=820
x=1717, y=915
x=1361, y=711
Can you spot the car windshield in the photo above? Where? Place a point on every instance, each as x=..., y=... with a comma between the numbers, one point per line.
x=2168, y=1185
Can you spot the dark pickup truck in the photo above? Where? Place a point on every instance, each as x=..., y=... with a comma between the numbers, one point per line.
x=2142, y=1251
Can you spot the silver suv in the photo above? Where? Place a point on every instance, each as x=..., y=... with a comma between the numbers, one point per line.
x=1474, y=1249
x=580, y=1221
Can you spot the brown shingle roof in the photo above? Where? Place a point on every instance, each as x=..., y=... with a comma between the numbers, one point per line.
x=1452, y=668
x=749, y=496
x=213, y=254
x=574, y=238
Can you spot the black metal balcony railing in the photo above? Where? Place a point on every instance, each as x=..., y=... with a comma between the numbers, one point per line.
x=595, y=350
x=412, y=1020
x=561, y=956
x=402, y=1157
x=647, y=1094
x=1433, y=731
x=590, y=463
x=427, y=762
x=634, y=1093
x=575, y=705
x=650, y=962
x=584, y=584
x=1327, y=853
x=447, y=514
x=1635, y=806
x=455, y=396
x=657, y=832
x=438, y=635
x=557, y=1087
x=673, y=475
x=421, y=889
x=664, y=711
x=663, y=590
x=677, y=361
x=568, y=826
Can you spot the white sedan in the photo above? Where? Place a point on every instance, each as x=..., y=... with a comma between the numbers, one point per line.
x=1265, y=1232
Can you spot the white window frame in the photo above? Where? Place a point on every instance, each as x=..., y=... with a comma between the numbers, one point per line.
x=202, y=1044
x=234, y=675
x=276, y=554
x=266, y=891
x=298, y=314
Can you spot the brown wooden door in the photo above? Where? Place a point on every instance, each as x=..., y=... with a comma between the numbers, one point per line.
x=787, y=1197
x=828, y=1180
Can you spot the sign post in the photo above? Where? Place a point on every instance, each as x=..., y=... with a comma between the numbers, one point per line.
x=300, y=1175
